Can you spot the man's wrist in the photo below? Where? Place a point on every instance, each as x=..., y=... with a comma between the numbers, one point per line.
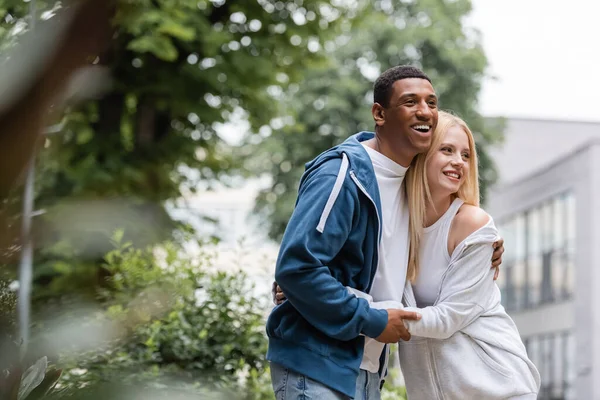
x=375, y=322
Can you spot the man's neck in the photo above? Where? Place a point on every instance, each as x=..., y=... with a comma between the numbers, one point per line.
x=398, y=154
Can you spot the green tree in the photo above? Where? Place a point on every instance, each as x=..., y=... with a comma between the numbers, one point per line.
x=179, y=68
x=334, y=101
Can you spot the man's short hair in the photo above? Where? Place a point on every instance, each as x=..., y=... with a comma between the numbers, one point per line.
x=382, y=90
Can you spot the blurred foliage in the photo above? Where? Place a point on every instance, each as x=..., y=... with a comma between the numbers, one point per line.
x=174, y=323
x=259, y=385
x=9, y=344
x=389, y=392
x=20, y=379
x=165, y=321
x=334, y=100
x=37, y=382
x=8, y=305
x=179, y=69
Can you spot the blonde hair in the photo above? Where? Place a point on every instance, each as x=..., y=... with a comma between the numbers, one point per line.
x=417, y=186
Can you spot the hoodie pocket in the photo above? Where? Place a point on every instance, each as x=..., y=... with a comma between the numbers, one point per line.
x=489, y=361
x=285, y=323
x=301, y=333
x=467, y=369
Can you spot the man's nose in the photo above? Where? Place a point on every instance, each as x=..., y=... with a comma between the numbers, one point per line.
x=424, y=112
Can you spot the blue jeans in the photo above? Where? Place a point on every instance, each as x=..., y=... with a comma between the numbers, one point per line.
x=290, y=385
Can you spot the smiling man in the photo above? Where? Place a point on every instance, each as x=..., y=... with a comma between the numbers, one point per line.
x=350, y=230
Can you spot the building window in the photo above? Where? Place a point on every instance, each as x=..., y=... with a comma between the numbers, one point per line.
x=570, y=222
x=534, y=262
x=553, y=354
x=539, y=263
x=519, y=275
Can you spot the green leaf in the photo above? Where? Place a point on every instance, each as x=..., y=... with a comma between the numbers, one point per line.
x=33, y=377
x=177, y=31
x=118, y=236
x=161, y=46
x=50, y=380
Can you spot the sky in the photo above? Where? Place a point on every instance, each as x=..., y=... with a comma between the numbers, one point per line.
x=544, y=55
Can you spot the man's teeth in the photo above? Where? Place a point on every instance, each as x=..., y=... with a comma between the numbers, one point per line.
x=452, y=174
x=423, y=128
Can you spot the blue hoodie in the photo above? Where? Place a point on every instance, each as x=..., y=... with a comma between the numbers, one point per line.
x=331, y=242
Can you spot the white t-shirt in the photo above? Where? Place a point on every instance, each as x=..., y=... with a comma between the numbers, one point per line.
x=434, y=254
x=390, y=277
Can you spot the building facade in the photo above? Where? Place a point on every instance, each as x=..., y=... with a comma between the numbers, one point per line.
x=546, y=207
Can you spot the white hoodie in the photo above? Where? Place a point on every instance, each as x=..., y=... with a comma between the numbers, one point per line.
x=465, y=346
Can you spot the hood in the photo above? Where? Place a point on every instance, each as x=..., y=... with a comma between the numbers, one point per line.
x=359, y=160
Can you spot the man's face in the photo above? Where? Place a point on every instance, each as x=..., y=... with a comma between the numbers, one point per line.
x=411, y=115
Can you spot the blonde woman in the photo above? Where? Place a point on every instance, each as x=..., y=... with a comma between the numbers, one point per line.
x=465, y=346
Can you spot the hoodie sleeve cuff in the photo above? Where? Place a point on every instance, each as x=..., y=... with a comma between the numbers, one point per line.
x=375, y=323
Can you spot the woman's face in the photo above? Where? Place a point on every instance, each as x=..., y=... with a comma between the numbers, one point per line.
x=448, y=166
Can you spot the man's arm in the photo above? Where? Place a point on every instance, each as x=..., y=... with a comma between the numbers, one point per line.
x=396, y=314
x=302, y=267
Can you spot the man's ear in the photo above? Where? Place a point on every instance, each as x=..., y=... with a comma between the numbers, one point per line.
x=378, y=114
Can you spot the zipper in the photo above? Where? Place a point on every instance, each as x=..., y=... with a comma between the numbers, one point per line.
x=436, y=378
x=408, y=296
x=437, y=299
x=362, y=189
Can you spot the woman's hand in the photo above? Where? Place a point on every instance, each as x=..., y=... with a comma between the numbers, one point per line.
x=278, y=295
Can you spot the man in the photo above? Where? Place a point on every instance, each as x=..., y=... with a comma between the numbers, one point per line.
x=350, y=229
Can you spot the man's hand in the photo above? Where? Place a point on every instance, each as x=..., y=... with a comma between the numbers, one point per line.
x=278, y=295
x=497, y=256
x=395, y=329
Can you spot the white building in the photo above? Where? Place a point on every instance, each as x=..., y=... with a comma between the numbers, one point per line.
x=546, y=206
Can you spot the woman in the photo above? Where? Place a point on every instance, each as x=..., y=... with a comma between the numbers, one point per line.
x=465, y=346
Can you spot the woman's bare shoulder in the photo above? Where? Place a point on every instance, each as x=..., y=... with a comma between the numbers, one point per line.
x=468, y=220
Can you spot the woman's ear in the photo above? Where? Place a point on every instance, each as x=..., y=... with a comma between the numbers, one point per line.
x=378, y=114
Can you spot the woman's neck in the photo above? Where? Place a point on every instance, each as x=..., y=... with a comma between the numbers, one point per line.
x=440, y=204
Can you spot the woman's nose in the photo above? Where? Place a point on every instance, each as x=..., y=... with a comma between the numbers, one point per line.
x=457, y=161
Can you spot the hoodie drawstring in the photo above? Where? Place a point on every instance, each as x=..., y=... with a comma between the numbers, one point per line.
x=337, y=187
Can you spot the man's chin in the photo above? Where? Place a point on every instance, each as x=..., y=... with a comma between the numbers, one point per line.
x=422, y=145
